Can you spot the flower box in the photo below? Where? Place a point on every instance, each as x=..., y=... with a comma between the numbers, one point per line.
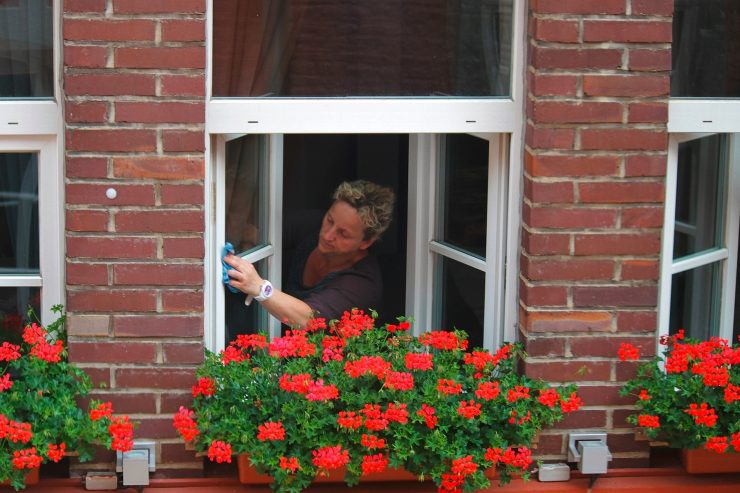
x=248, y=474
x=349, y=400
x=31, y=478
x=698, y=461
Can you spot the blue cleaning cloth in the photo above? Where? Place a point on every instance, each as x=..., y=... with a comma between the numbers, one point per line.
x=228, y=248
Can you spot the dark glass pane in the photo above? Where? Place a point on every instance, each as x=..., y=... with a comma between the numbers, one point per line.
x=699, y=195
x=463, y=193
x=460, y=299
x=19, y=214
x=303, y=48
x=14, y=303
x=26, y=49
x=695, y=302
x=240, y=318
x=706, y=49
x=246, y=192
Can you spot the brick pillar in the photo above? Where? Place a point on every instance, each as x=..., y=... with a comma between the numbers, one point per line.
x=134, y=88
x=595, y=160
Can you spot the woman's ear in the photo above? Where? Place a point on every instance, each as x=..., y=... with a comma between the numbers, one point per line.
x=365, y=244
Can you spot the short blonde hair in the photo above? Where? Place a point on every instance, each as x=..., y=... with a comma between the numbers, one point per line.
x=374, y=204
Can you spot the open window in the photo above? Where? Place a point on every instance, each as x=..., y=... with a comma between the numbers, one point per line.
x=425, y=98
x=699, y=264
x=700, y=242
x=441, y=258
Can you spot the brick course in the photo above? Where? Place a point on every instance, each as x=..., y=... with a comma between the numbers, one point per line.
x=134, y=86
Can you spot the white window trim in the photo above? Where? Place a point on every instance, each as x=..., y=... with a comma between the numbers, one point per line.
x=51, y=220
x=502, y=116
x=37, y=126
x=727, y=255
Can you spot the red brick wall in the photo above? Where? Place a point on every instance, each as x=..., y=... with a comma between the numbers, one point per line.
x=134, y=86
x=595, y=155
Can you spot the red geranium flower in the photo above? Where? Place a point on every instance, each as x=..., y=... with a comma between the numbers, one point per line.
x=219, y=452
x=271, y=431
x=330, y=457
x=627, y=352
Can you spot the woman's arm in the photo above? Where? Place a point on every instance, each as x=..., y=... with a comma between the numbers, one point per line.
x=280, y=305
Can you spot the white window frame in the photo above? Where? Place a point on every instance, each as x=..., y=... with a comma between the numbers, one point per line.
x=689, y=120
x=36, y=126
x=414, y=116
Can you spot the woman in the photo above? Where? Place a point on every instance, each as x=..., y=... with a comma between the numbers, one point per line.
x=333, y=272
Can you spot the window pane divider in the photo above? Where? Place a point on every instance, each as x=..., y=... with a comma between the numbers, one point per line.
x=20, y=281
x=699, y=260
x=259, y=254
x=457, y=255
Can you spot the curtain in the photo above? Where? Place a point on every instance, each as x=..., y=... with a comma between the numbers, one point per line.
x=357, y=48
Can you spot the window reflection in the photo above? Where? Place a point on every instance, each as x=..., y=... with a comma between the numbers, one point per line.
x=436, y=48
x=26, y=49
x=245, y=189
x=460, y=299
x=695, y=302
x=706, y=49
x=463, y=193
x=699, y=195
x=19, y=214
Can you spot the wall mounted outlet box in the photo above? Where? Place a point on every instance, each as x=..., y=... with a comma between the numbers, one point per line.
x=97, y=481
x=136, y=469
x=554, y=472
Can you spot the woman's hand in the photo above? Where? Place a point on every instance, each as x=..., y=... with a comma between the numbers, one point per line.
x=244, y=276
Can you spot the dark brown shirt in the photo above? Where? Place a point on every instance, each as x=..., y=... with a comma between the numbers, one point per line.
x=360, y=286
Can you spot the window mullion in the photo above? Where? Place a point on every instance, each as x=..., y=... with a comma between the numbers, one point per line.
x=275, y=217
x=732, y=225
x=218, y=338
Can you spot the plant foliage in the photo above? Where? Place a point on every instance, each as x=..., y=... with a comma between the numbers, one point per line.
x=365, y=398
x=689, y=396
x=40, y=415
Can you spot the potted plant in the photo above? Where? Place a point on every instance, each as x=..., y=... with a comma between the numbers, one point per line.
x=362, y=399
x=689, y=397
x=40, y=416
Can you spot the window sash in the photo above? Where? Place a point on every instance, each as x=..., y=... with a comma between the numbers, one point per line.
x=51, y=219
x=423, y=150
x=727, y=255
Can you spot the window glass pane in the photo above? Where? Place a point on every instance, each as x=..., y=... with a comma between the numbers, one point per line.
x=699, y=195
x=26, y=49
x=706, y=48
x=460, y=299
x=695, y=302
x=19, y=214
x=463, y=193
x=433, y=48
x=246, y=192
x=14, y=303
x=240, y=318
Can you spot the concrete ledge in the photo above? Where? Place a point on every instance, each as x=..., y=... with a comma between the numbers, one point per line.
x=671, y=480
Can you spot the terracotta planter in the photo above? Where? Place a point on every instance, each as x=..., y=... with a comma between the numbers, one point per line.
x=32, y=477
x=249, y=475
x=697, y=461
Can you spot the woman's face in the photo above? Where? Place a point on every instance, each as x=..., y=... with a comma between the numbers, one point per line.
x=342, y=231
